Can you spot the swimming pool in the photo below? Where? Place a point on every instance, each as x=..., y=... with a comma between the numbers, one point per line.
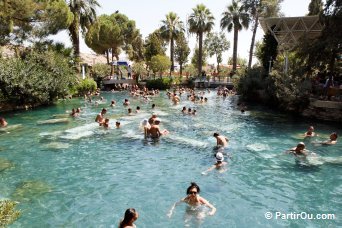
x=76, y=174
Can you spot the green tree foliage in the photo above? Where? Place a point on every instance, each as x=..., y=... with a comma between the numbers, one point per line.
x=84, y=15
x=8, y=214
x=171, y=28
x=267, y=51
x=85, y=86
x=194, y=59
x=139, y=69
x=323, y=53
x=99, y=72
x=216, y=44
x=160, y=83
x=240, y=61
x=315, y=7
x=22, y=20
x=160, y=63
x=256, y=9
x=154, y=45
x=37, y=79
x=200, y=21
x=182, y=52
x=235, y=17
x=135, y=50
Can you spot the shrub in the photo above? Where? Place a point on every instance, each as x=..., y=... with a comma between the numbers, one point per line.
x=39, y=78
x=85, y=86
x=250, y=83
x=160, y=83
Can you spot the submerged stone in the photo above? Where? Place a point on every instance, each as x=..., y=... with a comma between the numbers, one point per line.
x=28, y=190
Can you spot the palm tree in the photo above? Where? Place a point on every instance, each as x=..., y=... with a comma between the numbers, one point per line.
x=260, y=8
x=200, y=21
x=235, y=17
x=170, y=30
x=84, y=12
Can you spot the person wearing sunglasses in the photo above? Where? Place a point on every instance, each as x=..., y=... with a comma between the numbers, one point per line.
x=194, y=201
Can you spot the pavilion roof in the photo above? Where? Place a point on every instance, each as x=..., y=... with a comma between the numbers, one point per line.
x=288, y=30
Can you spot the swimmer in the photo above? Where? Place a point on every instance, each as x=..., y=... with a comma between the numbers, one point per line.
x=117, y=124
x=105, y=124
x=175, y=99
x=131, y=215
x=137, y=110
x=184, y=110
x=154, y=131
x=112, y=103
x=221, y=140
x=193, y=199
x=189, y=111
x=153, y=106
x=126, y=102
x=78, y=110
x=100, y=117
x=310, y=132
x=332, y=140
x=3, y=122
x=194, y=112
x=146, y=126
x=129, y=111
x=152, y=118
x=73, y=113
x=218, y=165
x=299, y=150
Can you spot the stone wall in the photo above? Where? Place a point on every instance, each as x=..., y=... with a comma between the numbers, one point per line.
x=324, y=110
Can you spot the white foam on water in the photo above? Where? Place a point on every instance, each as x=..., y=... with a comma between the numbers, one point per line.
x=54, y=133
x=57, y=145
x=332, y=160
x=86, y=127
x=187, y=141
x=133, y=134
x=258, y=147
x=53, y=121
x=314, y=160
x=77, y=135
x=161, y=113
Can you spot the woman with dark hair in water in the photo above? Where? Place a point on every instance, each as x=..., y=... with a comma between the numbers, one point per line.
x=131, y=215
x=3, y=122
x=195, y=204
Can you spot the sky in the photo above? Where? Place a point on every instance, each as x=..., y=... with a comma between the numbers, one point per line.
x=148, y=15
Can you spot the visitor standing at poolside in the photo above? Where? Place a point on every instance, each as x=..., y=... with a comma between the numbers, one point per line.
x=3, y=122
x=221, y=140
x=131, y=215
x=218, y=165
x=100, y=117
x=194, y=201
x=129, y=71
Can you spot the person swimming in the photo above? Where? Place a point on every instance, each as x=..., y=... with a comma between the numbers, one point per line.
x=105, y=124
x=100, y=117
x=194, y=200
x=299, y=150
x=221, y=140
x=218, y=165
x=154, y=131
x=310, y=132
x=332, y=140
x=126, y=102
x=131, y=215
x=117, y=124
x=3, y=122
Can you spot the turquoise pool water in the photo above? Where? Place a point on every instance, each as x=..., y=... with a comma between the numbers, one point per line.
x=76, y=174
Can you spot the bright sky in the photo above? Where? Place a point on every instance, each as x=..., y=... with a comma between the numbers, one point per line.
x=148, y=15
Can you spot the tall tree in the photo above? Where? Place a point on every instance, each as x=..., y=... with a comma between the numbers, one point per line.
x=26, y=20
x=84, y=12
x=171, y=28
x=182, y=52
x=200, y=21
x=256, y=9
x=235, y=17
x=216, y=44
x=154, y=45
x=315, y=7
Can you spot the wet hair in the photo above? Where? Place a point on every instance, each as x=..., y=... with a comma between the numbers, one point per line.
x=216, y=134
x=153, y=105
x=117, y=122
x=104, y=110
x=2, y=119
x=129, y=215
x=138, y=108
x=335, y=134
x=129, y=110
x=193, y=185
x=106, y=120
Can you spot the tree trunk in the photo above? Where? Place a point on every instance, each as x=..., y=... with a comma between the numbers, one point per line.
x=200, y=41
x=253, y=41
x=75, y=36
x=236, y=34
x=181, y=70
x=107, y=54
x=172, y=46
x=112, y=66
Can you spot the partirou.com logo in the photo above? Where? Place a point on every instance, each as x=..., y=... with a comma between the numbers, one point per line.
x=299, y=215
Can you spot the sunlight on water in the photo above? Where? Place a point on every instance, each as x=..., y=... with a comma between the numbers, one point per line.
x=69, y=172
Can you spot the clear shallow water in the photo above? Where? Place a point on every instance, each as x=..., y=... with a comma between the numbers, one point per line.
x=77, y=174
